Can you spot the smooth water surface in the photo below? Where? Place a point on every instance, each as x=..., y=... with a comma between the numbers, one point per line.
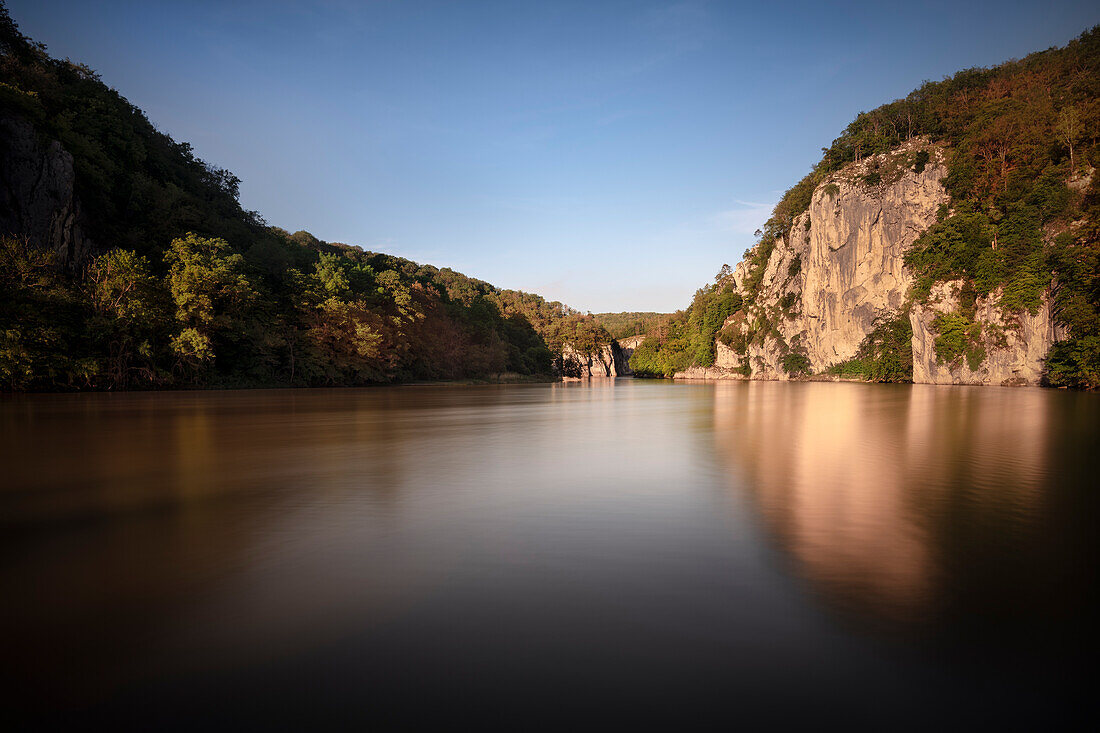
x=885, y=555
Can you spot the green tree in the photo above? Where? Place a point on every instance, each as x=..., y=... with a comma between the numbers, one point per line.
x=130, y=313
x=42, y=321
x=211, y=295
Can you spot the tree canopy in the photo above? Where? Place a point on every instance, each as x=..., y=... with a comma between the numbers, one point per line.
x=189, y=289
x=1024, y=218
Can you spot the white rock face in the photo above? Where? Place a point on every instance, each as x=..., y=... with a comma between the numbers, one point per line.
x=1015, y=344
x=606, y=362
x=626, y=348
x=714, y=372
x=725, y=357
x=854, y=269
x=842, y=267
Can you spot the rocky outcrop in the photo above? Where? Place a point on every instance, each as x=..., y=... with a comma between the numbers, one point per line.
x=841, y=267
x=37, y=200
x=853, y=270
x=1014, y=345
x=727, y=365
x=626, y=348
x=605, y=361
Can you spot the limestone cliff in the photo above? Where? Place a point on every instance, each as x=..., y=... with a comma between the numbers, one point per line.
x=841, y=267
x=37, y=199
x=627, y=347
x=606, y=361
x=1014, y=344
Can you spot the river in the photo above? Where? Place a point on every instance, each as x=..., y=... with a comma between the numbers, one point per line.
x=620, y=549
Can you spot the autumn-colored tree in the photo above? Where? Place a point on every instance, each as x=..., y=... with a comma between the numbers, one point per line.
x=1069, y=130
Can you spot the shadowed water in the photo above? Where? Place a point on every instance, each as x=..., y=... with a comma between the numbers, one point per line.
x=884, y=555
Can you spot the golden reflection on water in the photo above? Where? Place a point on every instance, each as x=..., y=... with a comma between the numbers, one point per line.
x=275, y=520
x=869, y=489
x=603, y=537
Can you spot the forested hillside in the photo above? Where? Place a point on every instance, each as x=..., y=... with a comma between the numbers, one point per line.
x=1023, y=222
x=154, y=275
x=631, y=323
x=686, y=338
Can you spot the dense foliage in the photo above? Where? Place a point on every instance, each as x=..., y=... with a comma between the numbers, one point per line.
x=139, y=187
x=1025, y=199
x=885, y=355
x=204, y=316
x=625, y=325
x=190, y=290
x=1022, y=146
x=687, y=337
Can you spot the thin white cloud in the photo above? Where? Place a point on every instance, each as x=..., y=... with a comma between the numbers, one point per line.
x=745, y=218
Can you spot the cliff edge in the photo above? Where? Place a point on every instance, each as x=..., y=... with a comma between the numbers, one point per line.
x=814, y=296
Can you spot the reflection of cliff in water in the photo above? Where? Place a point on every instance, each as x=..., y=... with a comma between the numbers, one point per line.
x=920, y=507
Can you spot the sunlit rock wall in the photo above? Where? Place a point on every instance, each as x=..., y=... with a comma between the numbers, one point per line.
x=842, y=267
x=1015, y=344
x=607, y=361
x=842, y=263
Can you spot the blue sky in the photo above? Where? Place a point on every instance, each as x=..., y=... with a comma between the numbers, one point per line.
x=611, y=155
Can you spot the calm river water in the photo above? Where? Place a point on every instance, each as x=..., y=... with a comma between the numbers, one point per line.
x=535, y=554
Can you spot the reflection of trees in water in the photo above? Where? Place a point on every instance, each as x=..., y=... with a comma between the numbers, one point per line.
x=136, y=452
x=148, y=509
x=910, y=505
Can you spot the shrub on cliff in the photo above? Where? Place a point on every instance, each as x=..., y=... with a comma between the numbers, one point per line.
x=885, y=354
x=796, y=363
x=958, y=337
x=625, y=325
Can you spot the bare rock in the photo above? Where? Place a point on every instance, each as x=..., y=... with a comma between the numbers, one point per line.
x=37, y=198
x=842, y=267
x=606, y=361
x=1015, y=344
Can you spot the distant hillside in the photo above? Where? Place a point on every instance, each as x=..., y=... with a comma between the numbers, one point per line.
x=624, y=325
x=126, y=261
x=997, y=282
